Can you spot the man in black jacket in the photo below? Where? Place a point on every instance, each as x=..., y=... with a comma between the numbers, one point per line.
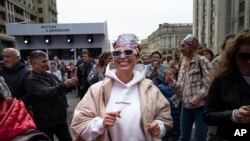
x=15, y=73
x=47, y=93
x=83, y=71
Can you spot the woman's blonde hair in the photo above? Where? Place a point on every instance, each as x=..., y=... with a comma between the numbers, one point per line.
x=194, y=43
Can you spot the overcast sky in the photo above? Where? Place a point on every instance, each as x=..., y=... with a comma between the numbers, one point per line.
x=141, y=17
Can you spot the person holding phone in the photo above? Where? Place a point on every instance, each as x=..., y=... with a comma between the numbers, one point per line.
x=47, y=93
x=125, y=105
x=228, y=100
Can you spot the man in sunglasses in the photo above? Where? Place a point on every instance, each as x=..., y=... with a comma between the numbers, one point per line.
x=122, y=106
x=228, y=100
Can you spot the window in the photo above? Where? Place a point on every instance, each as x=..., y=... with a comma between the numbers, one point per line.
x=241, y=21
x=26, y=52
x=39, y=1
x=9, y=6
x=95, y=52
x=242, y=7
x=212, y=39
x=2, y=30
x=63, y=54
x=40, y=20
x=9, y=18
x=2, y=16
x=212, y=27
x=40, y=10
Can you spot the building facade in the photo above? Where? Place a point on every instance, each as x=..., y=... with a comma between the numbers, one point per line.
x=144, y=46
x=168, y=36
x=24, y=11
x=214, y=19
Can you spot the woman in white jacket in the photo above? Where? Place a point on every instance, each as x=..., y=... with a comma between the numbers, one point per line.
x=124, y=106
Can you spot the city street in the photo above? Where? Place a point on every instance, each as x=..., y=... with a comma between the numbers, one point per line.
x=72, y=101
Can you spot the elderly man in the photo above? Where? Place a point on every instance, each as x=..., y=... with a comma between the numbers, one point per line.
x=15, y=73
x=47, y=93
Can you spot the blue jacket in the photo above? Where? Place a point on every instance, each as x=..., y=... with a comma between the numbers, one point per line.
x=168, y=92
x=157, y=79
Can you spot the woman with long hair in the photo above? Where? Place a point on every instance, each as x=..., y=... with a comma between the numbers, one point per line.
x=191, y=89
x=228, y=100
x=97, y=72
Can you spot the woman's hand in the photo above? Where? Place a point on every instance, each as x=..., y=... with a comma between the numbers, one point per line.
x=71, y=82
x=155, y=66
x=153, y=128
x=110, y=119
x=98, y=69
x=242, y=115
x=195, y=101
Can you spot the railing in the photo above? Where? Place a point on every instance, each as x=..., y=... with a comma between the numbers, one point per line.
x=2, y=8
x=2, y=22
x=21, y=17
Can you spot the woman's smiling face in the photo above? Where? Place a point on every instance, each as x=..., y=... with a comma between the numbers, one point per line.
x=125, y=63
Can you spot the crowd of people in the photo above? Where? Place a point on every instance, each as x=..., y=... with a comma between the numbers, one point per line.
x=128, y=95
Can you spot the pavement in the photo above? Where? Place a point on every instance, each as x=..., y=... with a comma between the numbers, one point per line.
x=72, y=101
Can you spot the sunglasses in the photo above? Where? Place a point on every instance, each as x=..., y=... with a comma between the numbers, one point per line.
x=243, y=57
x=126, y=52
x=184, y=46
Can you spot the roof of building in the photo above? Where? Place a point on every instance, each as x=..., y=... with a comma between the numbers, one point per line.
x=20, y=29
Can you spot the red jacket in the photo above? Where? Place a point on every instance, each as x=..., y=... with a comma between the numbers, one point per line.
x=14, y=119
